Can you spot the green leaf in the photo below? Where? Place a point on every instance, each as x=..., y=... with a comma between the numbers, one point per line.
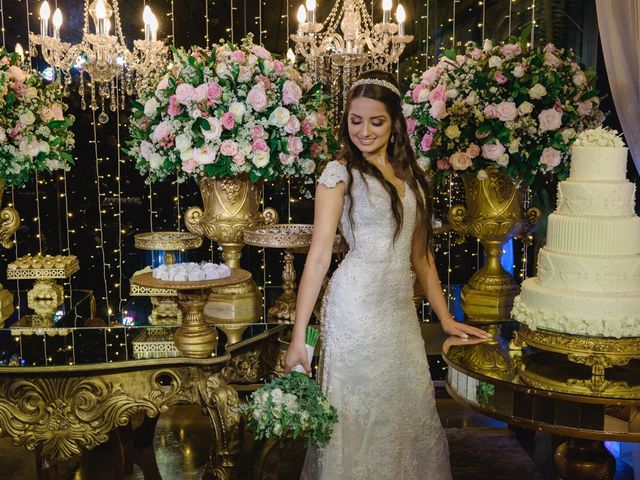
x=450, y=53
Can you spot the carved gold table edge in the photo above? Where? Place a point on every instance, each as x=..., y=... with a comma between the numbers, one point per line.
x=64, y=410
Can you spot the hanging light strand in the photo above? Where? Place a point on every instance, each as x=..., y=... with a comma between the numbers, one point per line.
x=119, y=183
x=104, y=265
x=38, y=223
x=4, y=42
x=66, y=216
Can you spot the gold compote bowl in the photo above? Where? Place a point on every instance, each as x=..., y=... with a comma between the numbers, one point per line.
x=195, y=338
x=294, y=238
x=165, y=309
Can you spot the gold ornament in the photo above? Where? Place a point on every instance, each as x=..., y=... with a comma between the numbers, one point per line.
x=494, y=215
x=231, y=205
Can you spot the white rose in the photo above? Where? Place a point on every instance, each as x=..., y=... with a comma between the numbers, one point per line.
x=495, y=62
x=44, y=147
x=472, y=98
x=488, y=45
x=308, y=166
x=518, y=71
x=514, y=146
x=151, y=107
x=186, y=155
x=268, y=67
x=537, y=91
x=183, y=142
x=525, y=108
x=423, y=96
x=503, y=160
x=238, y=109
x=155, y=161
x=579, y=79
x=260, y=160
x=245, y=149
x=27, y=118
x=279, y=117
x=568, y=134
x=30, y=93
x=453, y=93
x=222, y=70
x=257, y=414
x=424, y=163
x=195, y=113
x=407, y=110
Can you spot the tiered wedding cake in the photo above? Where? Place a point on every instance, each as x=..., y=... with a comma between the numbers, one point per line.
x=588, y=279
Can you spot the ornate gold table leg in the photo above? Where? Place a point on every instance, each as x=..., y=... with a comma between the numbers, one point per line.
x=284, y=309
x=578, y=459
x=195, y=338
x=44, y=298
x=221, y=400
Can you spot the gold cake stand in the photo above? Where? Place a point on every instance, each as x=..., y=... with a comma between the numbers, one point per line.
x=195, y=338
x=605, y=363
x=294, y=238
x=165, y=309
x=46, y=295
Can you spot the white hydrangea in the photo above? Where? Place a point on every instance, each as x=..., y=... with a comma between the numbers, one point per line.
x=599, y=137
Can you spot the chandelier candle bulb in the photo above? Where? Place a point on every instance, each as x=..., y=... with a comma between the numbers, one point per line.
x=57, y=23
x=146, y=18
x=302, y=17
x=311, y=11
x=401, y=16
x=45, y=13
x=154, y=28
x=386, y=11
x=101, y=17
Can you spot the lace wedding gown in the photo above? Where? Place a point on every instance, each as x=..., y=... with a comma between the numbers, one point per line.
x=374, y=367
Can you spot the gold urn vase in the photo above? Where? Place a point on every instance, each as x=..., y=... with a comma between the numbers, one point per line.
x=493, y=214
x=231, y=205
x=9, y=223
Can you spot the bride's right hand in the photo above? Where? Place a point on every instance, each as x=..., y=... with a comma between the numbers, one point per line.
x=296, y=355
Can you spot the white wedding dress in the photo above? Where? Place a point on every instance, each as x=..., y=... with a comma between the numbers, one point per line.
x=374, y=367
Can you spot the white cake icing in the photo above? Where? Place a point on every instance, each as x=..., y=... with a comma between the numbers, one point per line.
x=576, y=198
x=588, y=279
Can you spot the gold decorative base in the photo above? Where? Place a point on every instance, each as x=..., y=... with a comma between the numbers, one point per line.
x=232, y=308
x=44, y=298
x=483, y=306
x=165, y=311
x=594, y=365
x=195, y=338
x=578, y=459
x=6, y=304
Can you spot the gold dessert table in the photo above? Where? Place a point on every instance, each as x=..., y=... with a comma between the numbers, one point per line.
x=487, y=377
x=62, y=410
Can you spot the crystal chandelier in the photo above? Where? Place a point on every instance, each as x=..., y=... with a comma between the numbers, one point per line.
x=348, y=42
x=102, y=55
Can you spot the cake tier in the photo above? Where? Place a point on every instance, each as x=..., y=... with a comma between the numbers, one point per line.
x=589, y=273
x=578, y=314
x=596, y=198
x=583, y=235
x=598, y=163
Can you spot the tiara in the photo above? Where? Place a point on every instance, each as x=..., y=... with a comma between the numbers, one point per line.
x=377, y=81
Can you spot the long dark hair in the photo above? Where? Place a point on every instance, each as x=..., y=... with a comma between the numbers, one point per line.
x=401, y=156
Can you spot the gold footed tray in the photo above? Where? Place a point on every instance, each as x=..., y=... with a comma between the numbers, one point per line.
x=604, y=361
x=195, y=338
x=294, y=238
x=167, y=241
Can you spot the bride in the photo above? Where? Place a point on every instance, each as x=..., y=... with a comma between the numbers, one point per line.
x=374, y=367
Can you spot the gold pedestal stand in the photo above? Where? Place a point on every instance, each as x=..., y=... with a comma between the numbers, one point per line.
x=493, y=214
x=231, y=205
x=46, y=295
x=165, y=308
x=596, y=366
x=195, y=338
x=293, y=238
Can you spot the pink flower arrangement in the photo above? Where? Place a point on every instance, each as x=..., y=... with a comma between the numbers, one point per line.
x=514, y=108
x=35, y=133
x=228, y=111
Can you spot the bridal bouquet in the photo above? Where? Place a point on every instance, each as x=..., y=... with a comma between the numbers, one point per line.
x=291, y=406
x=35, y=134
x=227, y=111
x=504, y=106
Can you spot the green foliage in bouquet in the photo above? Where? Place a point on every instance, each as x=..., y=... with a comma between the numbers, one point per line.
x=506, y=106
x=35, y=134
x=291, y=406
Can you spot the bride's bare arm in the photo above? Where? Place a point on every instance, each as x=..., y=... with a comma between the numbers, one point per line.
x=327, y=211
x=425, y=268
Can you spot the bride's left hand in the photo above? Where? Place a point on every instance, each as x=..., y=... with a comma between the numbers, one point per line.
x=463, y=330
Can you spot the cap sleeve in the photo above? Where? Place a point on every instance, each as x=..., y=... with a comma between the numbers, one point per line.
x=333, y=173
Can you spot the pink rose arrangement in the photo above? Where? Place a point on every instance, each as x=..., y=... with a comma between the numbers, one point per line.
x=229, y=111
x=508, y=106
x=35, y=135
